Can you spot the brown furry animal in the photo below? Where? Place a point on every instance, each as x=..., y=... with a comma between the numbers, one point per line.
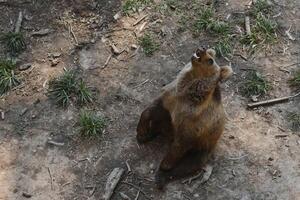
x=190, y=111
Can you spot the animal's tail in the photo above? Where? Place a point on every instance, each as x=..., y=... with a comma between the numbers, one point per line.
x=191, y=164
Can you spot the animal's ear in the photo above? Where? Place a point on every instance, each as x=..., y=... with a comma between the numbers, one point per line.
x=226, y=72
x=211, y=52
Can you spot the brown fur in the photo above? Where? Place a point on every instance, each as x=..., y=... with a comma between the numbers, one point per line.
x=196, y=117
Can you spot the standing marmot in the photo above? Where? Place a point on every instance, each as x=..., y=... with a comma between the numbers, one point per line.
x=189, y=110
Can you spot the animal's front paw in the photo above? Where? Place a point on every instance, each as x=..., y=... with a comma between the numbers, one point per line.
x=160, y=179
x=226, y=72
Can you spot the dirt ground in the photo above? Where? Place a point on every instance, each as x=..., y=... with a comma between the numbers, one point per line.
x=250, y=162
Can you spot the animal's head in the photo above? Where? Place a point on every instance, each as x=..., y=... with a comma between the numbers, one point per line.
x=204, y=64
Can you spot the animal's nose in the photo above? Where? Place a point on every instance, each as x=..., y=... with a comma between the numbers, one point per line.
x=200, y=51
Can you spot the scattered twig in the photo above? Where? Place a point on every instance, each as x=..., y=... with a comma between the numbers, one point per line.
x=292, y=64
x=72, y=32
x=107, y=61
x=247, y=25
x=41, y=32
x=144, y=82
x=277, y=15
x=68, y=183
x=281, y=135
x=139, y=20
x=137, y=188
x=26, y=195
x=55, y=143
x=287, y=32
x=238, y=158
x=137, y=195
x=280, y=128
x=19, y=22
x=112, y=181
x=242, y=56
x=124, y=196
x=2, y=115
x=50, y=178
x=115, y=49
x=93, y=191
x=189, y=180
x=272, y=101
x=142, y=27
x=284, y=70
x=128, y=166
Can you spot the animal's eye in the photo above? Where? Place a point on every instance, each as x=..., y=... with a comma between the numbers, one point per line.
x=210, y=61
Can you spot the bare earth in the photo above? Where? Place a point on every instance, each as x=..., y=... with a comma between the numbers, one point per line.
x=250, y=161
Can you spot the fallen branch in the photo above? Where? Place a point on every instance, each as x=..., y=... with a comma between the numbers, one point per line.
x=281, y=136
x=272, y=101
x=112, y=181
x=287, y=32
x=137, y=195
x=73, y=34
x=128, y=166
x=50, y=178
x=247, y=25
x=107, y=61
x=19, y=22
x=124, y=196
x=139, y=20
x=189, y=180
x=56, y=143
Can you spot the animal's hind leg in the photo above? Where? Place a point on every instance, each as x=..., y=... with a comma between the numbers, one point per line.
x=175, y=153
x=155, y=120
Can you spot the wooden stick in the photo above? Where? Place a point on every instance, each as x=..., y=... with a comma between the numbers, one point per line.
x=19, y=22
x=112, y=181
x=281, y=136
x=247, y=25
x=50, y=178
x=137, y=195
x=271, y=101
x=139, y=20
x=107, y=61
x=72, y=32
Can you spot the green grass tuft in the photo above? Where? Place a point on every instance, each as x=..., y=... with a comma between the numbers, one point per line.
x=224, y=47
x=148, y=44
x=84, y=94
x=219, y=27
x=62, y=88
x=266, y=27
x=14, y=42
x=263, y=32
x=255, y=84
x=294, y=119
x=204, y=19
x=67, y=87
x=295, y=81
x=91, y=124
x=133, y=5
x=260, y=6
x=8, y=79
